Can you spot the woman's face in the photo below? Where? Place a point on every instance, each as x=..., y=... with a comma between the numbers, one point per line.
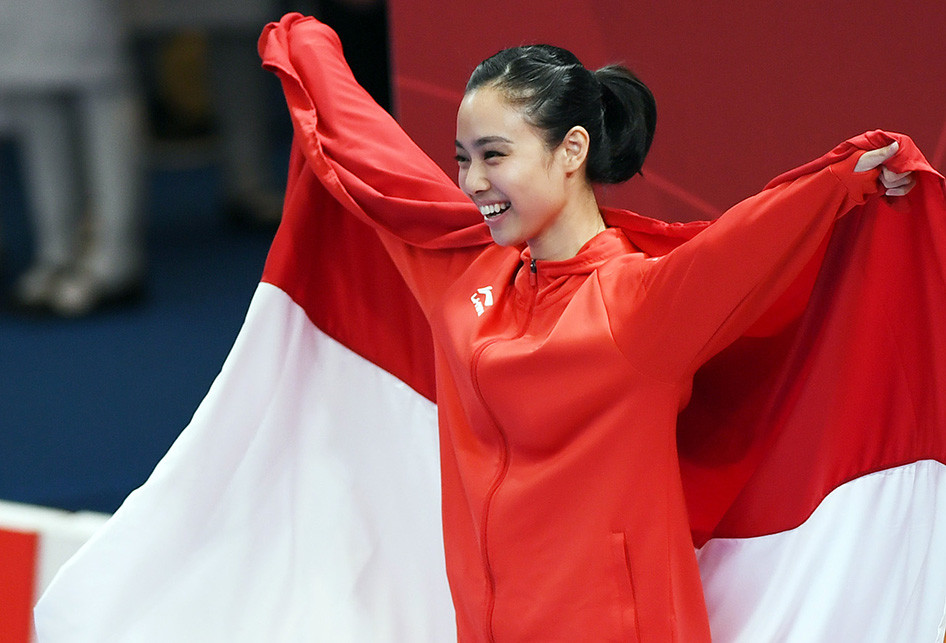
x=506, y=168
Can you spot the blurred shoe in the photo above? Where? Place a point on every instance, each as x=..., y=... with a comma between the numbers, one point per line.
x=81, y=292
x=34, y=289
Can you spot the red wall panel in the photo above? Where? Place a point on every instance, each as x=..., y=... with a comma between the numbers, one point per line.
x=744, y=90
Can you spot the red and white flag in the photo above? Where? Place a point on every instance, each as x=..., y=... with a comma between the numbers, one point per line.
x=302, y=501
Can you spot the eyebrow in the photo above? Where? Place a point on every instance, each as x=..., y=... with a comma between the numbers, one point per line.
x=485, y=140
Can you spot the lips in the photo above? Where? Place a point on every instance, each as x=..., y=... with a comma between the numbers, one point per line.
x=494, y=209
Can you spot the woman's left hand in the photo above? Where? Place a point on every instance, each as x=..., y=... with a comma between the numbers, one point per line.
x=895, y=184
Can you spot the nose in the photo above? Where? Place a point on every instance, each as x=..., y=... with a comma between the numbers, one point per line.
x=473, y=179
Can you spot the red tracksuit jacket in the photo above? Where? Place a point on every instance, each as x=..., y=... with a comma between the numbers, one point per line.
x=558, y=383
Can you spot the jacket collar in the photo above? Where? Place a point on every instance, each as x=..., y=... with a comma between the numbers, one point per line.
x=542, y=279
x=627, y=233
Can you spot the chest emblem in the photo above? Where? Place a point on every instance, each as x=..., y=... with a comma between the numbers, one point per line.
x=482, y=299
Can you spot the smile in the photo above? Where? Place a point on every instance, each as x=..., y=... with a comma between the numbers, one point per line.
x=494, y=209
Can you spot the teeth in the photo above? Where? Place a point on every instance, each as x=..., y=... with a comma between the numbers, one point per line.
x=493, y=209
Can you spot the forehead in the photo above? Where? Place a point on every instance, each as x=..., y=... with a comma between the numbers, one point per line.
x=485, y=113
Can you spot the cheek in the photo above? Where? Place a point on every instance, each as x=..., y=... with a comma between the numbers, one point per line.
x=540, y=191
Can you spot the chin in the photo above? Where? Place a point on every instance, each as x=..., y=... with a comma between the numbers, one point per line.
x=505, y=240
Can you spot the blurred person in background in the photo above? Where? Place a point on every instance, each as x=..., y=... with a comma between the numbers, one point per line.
x=70, y=104
x=70, y=101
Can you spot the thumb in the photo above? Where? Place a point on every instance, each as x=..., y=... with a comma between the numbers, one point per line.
x=874, y=158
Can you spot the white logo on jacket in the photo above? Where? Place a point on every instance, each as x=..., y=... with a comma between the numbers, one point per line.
x=481, y=303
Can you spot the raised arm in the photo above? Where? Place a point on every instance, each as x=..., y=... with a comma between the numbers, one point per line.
x=367, y=162
x=700, y=297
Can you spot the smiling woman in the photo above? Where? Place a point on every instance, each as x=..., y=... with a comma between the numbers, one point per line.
x=564, y=515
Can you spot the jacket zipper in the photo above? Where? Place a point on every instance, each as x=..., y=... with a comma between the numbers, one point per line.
x=504, y=464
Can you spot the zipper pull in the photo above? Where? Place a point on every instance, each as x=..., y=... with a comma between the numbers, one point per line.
x=533, y=274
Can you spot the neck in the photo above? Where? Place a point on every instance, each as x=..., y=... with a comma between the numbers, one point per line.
x=576, y=225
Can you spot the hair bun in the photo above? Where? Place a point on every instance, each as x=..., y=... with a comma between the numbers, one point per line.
x=629, y=121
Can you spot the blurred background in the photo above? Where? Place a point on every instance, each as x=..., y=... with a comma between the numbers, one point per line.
x=143, y=153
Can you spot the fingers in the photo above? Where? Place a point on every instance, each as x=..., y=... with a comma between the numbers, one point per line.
x=897, y=184
x=892, y=179
x=873, y=158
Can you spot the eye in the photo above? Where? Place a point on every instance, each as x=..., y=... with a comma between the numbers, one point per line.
x=461, y=159
x=492, y=154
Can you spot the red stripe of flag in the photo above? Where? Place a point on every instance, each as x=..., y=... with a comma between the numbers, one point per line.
x=17, y=580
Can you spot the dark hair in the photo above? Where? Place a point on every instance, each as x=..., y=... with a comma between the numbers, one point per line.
x=556, y=93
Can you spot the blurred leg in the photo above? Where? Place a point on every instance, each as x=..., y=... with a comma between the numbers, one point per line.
x=113, y=153
x=43, y=127
x=112, y=261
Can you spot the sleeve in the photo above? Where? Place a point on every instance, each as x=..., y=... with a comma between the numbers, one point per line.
x=367, y=163
x=700, y=297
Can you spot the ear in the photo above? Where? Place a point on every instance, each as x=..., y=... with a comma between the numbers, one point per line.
x=575, y=147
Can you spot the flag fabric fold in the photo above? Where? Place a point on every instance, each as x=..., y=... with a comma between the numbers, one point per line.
x=302, y=501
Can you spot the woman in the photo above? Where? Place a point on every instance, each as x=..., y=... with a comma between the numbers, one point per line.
x=564, y=351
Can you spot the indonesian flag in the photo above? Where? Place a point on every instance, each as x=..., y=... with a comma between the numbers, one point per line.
x=302, y=502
